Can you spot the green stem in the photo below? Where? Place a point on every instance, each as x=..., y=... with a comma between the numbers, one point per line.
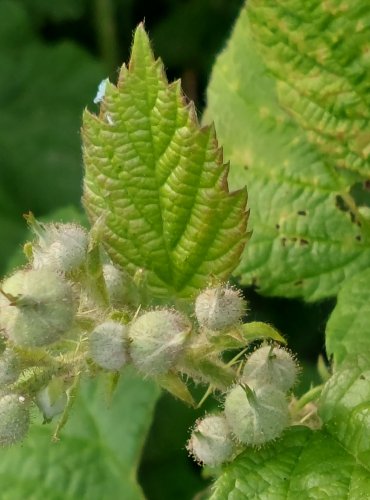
x=309, y=396
x=107, y=34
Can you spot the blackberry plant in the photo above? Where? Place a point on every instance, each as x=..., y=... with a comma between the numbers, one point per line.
x=144, y=293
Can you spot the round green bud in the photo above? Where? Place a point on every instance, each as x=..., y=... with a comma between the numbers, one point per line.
x=52, y=399
x=210, y=442
x=219, y=308
x=157, y=340
x=14, y=419
x=60, y=247
x=108, y=345
x=10, y=368
x=37, y=307
x=271, y=365
x=256, y=416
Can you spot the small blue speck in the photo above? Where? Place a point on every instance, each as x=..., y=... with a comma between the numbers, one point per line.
x=101, y=91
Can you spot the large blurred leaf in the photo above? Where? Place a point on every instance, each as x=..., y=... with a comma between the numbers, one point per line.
x=348, y=328
x=156, y=182
x=319, y=52
x=57, y=11
x=330, y=463
x=99, y=450
x=42, y=91
x=306, y=234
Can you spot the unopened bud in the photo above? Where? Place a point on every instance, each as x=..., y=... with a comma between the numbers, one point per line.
x=219, y=308
x=157, y=340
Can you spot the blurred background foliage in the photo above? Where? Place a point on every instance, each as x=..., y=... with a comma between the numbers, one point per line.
x=53, y=54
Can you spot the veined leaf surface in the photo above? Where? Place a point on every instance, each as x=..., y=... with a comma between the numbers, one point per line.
x=333, y=462
x=157, y=183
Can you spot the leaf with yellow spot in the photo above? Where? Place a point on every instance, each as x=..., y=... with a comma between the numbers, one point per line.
x=309, y=230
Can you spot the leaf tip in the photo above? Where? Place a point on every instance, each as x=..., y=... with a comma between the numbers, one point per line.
x=141, y=48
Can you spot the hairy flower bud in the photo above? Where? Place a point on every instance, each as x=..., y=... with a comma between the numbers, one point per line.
x=9, y=367
x=271, y=365
x=219, y=308
x=14, y=419
x=157, y=339
x=210, y=442
x=36, y=307
x=60, y=247
x=108, y=345
x=256, y=416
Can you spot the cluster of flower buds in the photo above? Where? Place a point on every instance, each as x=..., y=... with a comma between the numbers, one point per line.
x=38, y=308
x=256, y=409
x=54, y=328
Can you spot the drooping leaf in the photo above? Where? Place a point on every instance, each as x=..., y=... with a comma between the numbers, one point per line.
x=97, y=455
x=348, y=328
x=306, y=235
x=157, y=182
x=333, y=462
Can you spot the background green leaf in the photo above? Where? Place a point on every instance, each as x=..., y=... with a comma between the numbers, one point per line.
x=42, y=91
x=319, y=52
x=306, y=235
x=333, y=462
x=345, y=407
x=158, y=184
x=303, y=464
x=99, y=449
x=348, y=328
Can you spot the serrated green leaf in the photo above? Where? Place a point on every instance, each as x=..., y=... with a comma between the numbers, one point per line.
x=306, y=235
x=303, y=464
x=347, y=331
x=159, y=183
x=345, y=407
x=333, y=462
x=97, y=455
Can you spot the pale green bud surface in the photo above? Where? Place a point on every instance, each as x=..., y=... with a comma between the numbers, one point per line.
x=14, y=419
x=38, y=309
x=9, y=367
x=157, y=340
x=219, y=308
x=271, y=365
x=116, y=283
x=256, y=416
x=60, y=247
x=210, y=442
x=108, y=345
